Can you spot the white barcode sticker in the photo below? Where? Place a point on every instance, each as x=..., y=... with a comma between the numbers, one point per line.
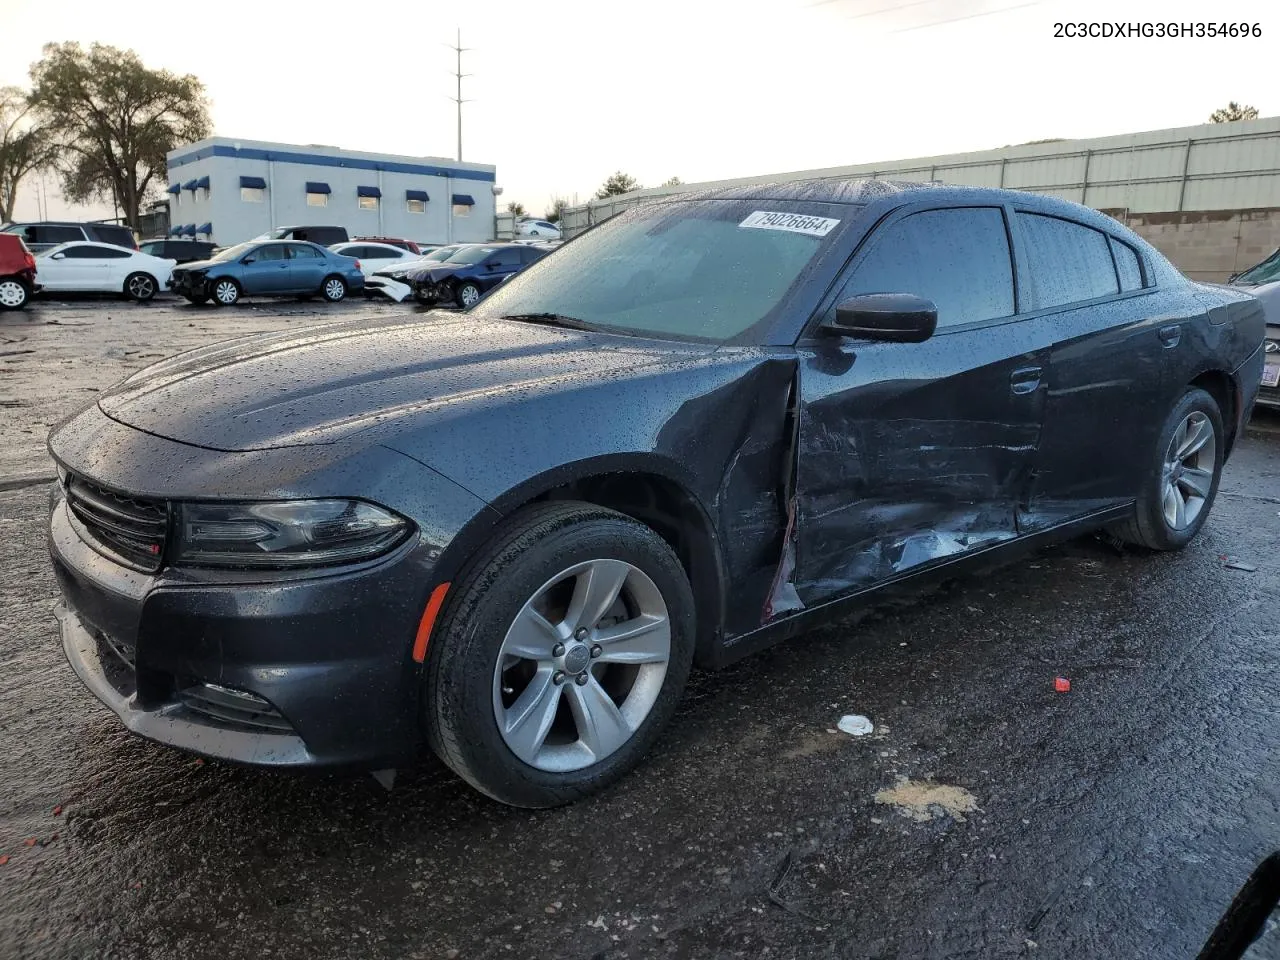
x=792, y=222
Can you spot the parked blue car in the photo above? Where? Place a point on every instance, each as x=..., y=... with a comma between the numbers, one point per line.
x=269, y=268
x=471, y=272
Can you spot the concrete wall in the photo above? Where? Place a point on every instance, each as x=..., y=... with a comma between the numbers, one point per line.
x=1210, y=245
x=287, y=169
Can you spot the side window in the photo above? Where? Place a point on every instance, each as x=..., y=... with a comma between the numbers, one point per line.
x=530, y=254
x=153, y=249
x=507, y=257
x=54, y=234
x=111, y=253
x=82, y=253
x=272, y=251
x=300, y=251
x=957, y=258
x=1069, y=262
x=1127, y=265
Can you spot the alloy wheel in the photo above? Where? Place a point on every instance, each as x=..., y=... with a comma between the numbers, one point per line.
x=226, y=292
x=12, y=294
x=334, y=289
x=582, y=665
x=468, y=295
x=1188, y=470
x=141, y=287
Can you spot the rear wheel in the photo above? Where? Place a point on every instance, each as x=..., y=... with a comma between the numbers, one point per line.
x=14, y=294
x=226, y=292
x=1182, y=478
x=333, y=289
x=560, y=656
x=140, y=286
x=467, y=294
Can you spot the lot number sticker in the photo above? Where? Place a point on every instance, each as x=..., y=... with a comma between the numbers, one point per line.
x=792, y=222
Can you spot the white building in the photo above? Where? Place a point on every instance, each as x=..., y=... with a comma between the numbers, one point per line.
x=232, y=190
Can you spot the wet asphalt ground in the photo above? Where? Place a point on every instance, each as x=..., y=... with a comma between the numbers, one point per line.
x=1116, y=820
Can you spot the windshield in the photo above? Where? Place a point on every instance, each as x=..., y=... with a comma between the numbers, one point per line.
x=700, y=269
x=471, y=254
x=1264, y=272
x=234, y=253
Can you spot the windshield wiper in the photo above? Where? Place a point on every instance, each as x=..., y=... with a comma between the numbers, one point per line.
x=551, y=320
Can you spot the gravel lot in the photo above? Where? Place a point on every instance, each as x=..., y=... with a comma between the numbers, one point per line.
x=987, y=816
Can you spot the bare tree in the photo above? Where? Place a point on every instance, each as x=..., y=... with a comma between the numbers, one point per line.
x=24, y=146
x=555, y=212
x=114, y=119
x=517, y=209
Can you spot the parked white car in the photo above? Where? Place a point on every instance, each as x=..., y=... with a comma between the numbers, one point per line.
x=535, y=230
x=373, y=256
x=103, y=268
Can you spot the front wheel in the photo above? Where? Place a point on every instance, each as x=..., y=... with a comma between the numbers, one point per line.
x=333, y=289
x=1182, y=477
x=140, y=286
x=226, y=292
x=561, y=654
x=467, y=294
x=14, y=294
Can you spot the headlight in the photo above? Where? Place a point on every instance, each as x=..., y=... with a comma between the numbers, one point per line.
x=294, y=533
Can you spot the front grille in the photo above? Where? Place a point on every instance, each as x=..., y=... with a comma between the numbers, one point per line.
x=234, y=708
x=128, y=529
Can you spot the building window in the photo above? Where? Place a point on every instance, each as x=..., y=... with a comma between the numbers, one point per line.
x=253, y=194
x=462, y=209
x=367, y=203
x=317, y=199
x=416, y=206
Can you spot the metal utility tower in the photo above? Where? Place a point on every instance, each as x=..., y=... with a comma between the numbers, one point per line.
x=459, y=49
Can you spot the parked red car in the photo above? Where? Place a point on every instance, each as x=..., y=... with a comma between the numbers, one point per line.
x=17, y=273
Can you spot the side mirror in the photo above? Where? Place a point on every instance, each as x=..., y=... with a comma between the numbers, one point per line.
x=492, y=265
x=59, y=256
x=895, y=317
x=249, y=259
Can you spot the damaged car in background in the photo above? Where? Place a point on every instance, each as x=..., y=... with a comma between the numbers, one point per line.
x=471, y=272
x=703, y=426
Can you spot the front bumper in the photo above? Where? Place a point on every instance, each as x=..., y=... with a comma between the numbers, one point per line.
x=317, y=669
x=395, y=289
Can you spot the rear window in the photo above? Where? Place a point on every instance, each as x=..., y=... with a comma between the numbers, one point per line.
x=1069, y=262
x=1127, y=265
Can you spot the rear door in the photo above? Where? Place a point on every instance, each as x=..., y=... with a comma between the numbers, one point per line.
x=307, y=268
x=1105, y=368
x=498, y=266
x=915, y=453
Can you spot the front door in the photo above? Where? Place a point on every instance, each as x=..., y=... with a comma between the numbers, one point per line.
x=269, y=270
x=914, y=453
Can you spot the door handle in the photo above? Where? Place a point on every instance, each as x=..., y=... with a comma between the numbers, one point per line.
x=1025, y=379
x=1171, y=334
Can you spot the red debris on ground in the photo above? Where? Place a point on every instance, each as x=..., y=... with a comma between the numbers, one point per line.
x=4, y=858
x=57, y=811
x=29, y=842
x=1062, y=684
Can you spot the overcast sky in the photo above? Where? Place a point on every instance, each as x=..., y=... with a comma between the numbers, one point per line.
x=565, y=92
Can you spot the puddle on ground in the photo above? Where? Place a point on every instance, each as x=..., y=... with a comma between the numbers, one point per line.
x=923, y=801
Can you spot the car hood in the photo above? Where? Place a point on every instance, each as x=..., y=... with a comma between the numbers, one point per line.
x=199, y=264
x=437, y=273
x=326, y=383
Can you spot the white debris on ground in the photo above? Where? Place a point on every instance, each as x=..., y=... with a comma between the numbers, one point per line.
x=855, y=725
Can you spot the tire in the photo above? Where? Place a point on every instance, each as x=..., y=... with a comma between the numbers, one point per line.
x=333, y=289
x=466, y=294
x=465, y=689
x=1178, y=486
x=140, y=286
x=14, y=294
x=226, y=292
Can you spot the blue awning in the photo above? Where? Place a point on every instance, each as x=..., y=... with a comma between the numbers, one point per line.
x=205, y=228
x=255, y=182
x=464, y=200
x=175, y=188
x=203, y=182
x=368, y=192
x=189, y=230
x=175, y=231
x=416, y=195
x=189, y=185
x=316, y=186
